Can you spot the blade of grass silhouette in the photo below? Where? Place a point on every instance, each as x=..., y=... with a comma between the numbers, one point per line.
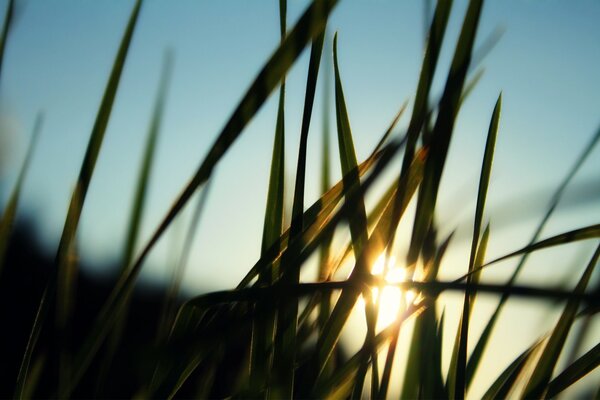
x=10, y=211
x=60, y=284
x=179, y=271
x=8, y=19
x=349, y=166
x=477, y=353
x=538, y=383
x=310, y=24
x=324, y=256
x=137, y=212
x=456, y=375
x=428, y=67
x=506, y=380
x=575, y=371
x=285, y=339
x=418, y=364
x=456, y=372
x=443, y=128
x=263, y=329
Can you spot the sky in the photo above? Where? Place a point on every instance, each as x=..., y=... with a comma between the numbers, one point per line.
x=59, y=54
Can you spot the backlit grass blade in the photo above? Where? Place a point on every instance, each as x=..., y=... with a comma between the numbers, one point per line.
x=456, y=382
x=349, y=164
x=10, y=211
x=137, y=212
x=310, y=24
x=506, y=380
x=61, y=286
x=574, y=372
x=588, y=232
x=8, y=18
x=435, y=39
x=457, y=372
x=443, y=128
x=264, y=324
x=324, y=256
x=420, y=364
x=538, y=383
x=556, y=197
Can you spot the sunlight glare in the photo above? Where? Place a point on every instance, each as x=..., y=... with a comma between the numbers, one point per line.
x=391, y=298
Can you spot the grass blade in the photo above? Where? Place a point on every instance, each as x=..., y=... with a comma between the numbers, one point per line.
x=358, y=224
x=137, y=211
x=483, y=340
x=574, y=372
x=504, y=383
x=10, y=212
x=538, y=383
x=264, y=324
x=457, y=373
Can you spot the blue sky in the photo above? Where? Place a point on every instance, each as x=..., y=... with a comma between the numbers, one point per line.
x=60, y=52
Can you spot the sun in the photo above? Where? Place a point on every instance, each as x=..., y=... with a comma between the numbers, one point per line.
x=390, y=299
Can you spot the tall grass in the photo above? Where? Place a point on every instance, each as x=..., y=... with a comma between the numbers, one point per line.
x=287, y=332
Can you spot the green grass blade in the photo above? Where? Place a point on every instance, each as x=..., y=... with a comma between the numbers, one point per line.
x=423, y=339
x=556, y=197
x=63, y=284
x=457, y=374
x=420, y=111
x=264, y=325
x=324, y=256
x=588, y=232
x=349, y=164
x=456, y=381
x=443, y=128
x=538, y=383
x=137, y=212
x=310, y=24
x=506, y=380
x=574, y=372
x=10, y=211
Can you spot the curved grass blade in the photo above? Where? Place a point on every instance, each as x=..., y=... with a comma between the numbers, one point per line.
x=457, y=372
x=505, y=382
x=10, y=212
x=423, y=339
x=574, y=372
x=435, y=39
x=310, y=24
x=538, y=383
x=358, y=222
x=556, y=197
x=456, y=383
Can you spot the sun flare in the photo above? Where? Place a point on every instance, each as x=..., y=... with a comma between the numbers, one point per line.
x=390, y=299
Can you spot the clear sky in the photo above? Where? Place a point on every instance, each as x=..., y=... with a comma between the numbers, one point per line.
x=59, y=54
